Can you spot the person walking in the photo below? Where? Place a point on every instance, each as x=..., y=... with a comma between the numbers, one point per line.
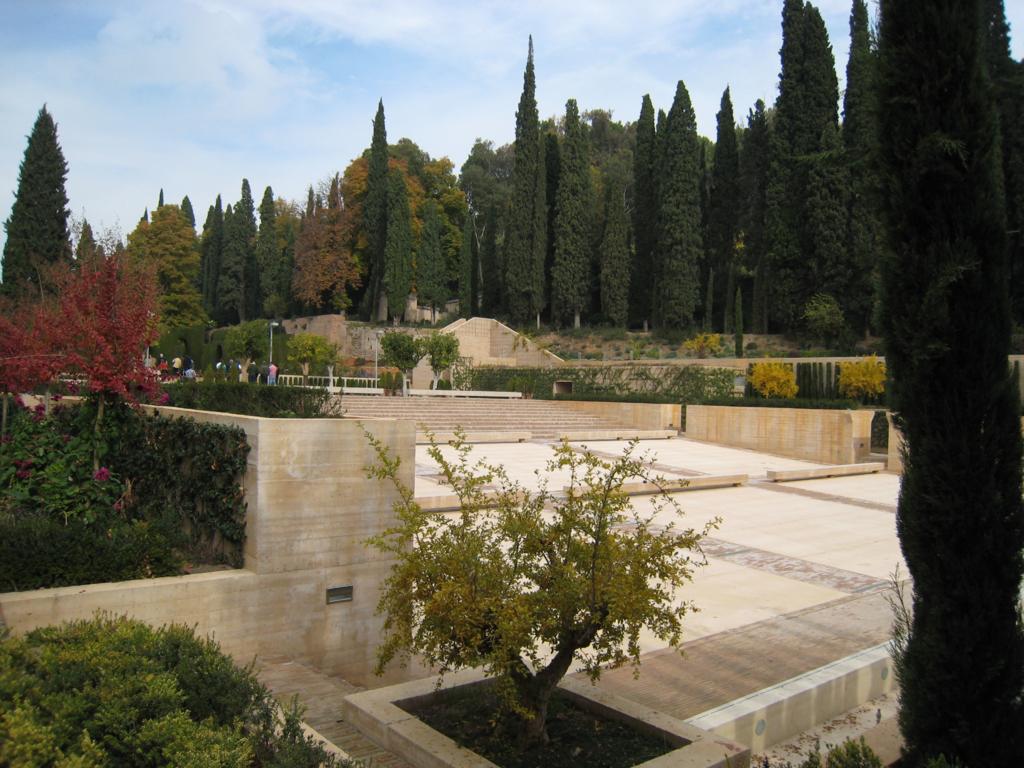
x=272, y=374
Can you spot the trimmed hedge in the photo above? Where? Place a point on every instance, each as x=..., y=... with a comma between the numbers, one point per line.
x=113, y=691
x=686, y=383
x=782, y=402
x=277, y=401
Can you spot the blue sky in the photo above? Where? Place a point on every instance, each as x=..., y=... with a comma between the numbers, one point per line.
x=194, y=95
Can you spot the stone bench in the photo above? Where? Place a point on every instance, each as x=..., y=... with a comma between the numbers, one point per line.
x=838, y=470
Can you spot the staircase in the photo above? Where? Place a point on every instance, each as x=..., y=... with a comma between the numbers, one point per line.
x=492, y=420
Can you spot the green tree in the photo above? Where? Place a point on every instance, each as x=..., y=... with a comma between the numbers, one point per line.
x=308, y=350
x=946, y=322
x=287, y=224
x=724, y=210
x=398, y=247
x=266, y=246
x=375, y=218
x=403, y=351
x=431, y=285
x=827, y=221
x=529, y=582
x=442, y=349
x=860, y=140
x=615, y=256
x=210, y=248
x=645, y=212
x=468, y=272
x=187, y=212
x=160, y=199
x=526, y=231
x=737, y=323
x=679, y=237
x=235, y=284
x=571, y=270
x=87, y=249
x=490, y=266
x=755, y=158
x=37, y=229
x=247, y=341
x=167, y=243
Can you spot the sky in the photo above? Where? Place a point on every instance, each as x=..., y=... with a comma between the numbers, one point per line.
x=193, y=95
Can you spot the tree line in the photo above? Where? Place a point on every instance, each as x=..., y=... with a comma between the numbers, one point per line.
x=583, y=219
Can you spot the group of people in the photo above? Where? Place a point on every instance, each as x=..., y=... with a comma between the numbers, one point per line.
x=183, y=367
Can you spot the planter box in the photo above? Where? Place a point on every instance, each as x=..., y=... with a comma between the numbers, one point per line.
x=819, y=435
x=378, y=714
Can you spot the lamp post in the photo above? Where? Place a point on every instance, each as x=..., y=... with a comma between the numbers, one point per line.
x=273, y=324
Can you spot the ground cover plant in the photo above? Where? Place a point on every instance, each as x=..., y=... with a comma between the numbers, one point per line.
x=114, y=691
x=524, y=583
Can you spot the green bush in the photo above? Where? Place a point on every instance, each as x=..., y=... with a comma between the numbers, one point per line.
x=684, y=383
x=241, y=397
x=782, y=402
x=117, y=692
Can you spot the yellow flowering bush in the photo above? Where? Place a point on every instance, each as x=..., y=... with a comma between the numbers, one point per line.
x=774, y=380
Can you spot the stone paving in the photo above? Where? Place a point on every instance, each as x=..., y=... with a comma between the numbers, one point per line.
x=795, y=577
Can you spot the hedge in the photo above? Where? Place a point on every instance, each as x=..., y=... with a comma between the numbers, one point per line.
x=277, y=401
x=685, y=383
x=113, y=691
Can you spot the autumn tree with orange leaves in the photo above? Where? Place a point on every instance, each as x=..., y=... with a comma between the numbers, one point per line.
x=325, y=267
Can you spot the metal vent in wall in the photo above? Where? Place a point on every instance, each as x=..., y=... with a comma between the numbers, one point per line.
x=339, y=594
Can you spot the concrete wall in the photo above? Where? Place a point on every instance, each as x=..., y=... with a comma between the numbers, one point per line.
x=310, y=509
x=823, y=436
x=639, y=415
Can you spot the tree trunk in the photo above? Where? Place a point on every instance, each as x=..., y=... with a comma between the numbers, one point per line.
x=382, y=308
x=576, y=319
x=534, y=693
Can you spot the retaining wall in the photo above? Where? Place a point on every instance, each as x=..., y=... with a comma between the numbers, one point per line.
x=819, y=435
x=310, y=509
x=639, y=415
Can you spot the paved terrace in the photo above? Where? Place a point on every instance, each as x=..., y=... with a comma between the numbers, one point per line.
x=795, y=575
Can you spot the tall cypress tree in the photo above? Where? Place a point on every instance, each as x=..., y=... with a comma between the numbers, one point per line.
x=398, y=276
x=826, y=221
x=468, y=270
x=87, y=249
x=238, y=259
x=187, y=212
x=526, y=230
x=860, y=139
x=947, y=330
x=431, y=285
x=552, y=171
x=724, y=210
x=679, y=237
x=490, y=268
x=211, y=249
x=570, y=283
x=615, y=258
x=37, y=229
x=754, y=162
x=645, y=212
x=160, y=199
x=267, y=253
x=375, y=219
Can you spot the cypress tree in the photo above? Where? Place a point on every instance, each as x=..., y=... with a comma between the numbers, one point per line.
x=267, y=254
x=860, y=139
x=724, y=211
x=524, y=213
x=570, y=284
x=431, y=285
x=187, y=212
x=539, y=278
x=615, y=279
x=467, y=270
x=947, y=327
x=754, y=163
x=552, y=170
x=238, y=259
x=375, y=219
x=709, y=300
x=679, y=239
x=87, y=249
x=160, y=200
x=737, y=322
x=645, y=213
x=210, y=249
x=827, y=221
x=37, y=229
x=398, y=246
x=490, y=268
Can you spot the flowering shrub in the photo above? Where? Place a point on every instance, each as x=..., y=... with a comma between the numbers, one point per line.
x=862, y=378
x=703, y=344
x=773, y=380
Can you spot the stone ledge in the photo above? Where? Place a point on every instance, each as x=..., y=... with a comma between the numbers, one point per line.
x=676, y=485
x=815, y=473
x=378, y=716
x=617, y=433
x=483, y=436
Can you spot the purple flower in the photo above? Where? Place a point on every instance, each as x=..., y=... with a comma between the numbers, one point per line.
x=101, y=475
x=165, y=398
x=23, y=474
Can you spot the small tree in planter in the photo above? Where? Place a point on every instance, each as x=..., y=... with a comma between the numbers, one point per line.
x=402, y=351
x=246, y=342
x=537, y=582
x=443, y=351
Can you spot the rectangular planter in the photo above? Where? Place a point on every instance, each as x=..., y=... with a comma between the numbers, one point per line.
x=378, y=714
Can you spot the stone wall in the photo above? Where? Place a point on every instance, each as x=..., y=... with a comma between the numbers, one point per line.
x=823, y=436
x=310, y=509
x=639, y=415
